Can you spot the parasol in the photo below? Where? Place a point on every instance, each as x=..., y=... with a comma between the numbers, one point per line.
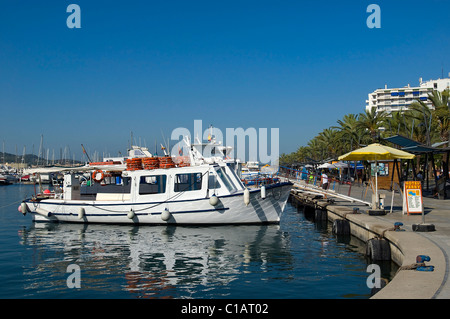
x=376, y=152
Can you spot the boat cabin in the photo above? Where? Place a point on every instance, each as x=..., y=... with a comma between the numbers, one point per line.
x=179, y=183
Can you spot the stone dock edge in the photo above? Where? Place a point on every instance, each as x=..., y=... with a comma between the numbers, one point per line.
x=405, y=247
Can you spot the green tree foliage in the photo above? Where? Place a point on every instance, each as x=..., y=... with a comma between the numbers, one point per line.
x=421, y=123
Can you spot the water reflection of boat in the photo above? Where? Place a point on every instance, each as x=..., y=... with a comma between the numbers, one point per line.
x=159, y=261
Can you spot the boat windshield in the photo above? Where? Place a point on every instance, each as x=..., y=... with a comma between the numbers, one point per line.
x=225, y=179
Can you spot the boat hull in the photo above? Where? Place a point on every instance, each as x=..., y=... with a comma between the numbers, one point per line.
x=231, y=209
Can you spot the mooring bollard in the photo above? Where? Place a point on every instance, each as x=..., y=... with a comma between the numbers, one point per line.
x=422, y=259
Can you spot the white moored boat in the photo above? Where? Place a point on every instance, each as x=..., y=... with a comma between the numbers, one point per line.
x=155, y=190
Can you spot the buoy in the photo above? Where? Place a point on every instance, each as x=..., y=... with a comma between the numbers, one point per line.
x=131, y=214
x=378, y=249
x=263, y=191
x=23, y=208
x=43, y=212
x=165, y=215
x=341, y=227
x=246, y=196
x=81, y=213
x=213, y=200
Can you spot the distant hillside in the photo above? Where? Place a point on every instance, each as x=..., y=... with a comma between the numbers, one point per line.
x=30, y=159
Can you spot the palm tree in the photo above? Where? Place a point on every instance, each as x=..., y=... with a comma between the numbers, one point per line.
x=314, y=149
x=350, y=133
x=327, y=140
x=441, y=112
x=421, y=115
x=399, y=124
x=441, y=103
x=372, y=121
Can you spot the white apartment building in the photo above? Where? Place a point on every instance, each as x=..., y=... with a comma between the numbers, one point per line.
x=399, y=99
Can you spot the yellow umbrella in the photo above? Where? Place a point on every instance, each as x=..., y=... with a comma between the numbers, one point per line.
x=376, y=152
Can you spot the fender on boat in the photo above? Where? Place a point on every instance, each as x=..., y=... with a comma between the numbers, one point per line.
x=81, y=213
x=43, y=212
x=131, y=214
x=246, y=196
x=23, y=208
x=165, y=215
x=263, y=191
x=213, y=200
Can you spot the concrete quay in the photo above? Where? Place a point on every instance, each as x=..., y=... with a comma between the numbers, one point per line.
x=405, y=245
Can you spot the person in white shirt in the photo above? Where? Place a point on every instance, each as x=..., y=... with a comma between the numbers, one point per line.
x=324, y=180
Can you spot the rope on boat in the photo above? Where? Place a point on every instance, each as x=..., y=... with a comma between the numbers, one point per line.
x=13, y=203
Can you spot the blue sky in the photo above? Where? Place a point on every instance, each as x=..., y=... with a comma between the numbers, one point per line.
x=149, y=67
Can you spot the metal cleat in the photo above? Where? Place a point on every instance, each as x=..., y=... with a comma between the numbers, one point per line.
x=422, y=258
x=425, y=268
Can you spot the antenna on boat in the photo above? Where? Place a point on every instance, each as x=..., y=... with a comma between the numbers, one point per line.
x=84, y=152
x=166, y=146
x=131, y=140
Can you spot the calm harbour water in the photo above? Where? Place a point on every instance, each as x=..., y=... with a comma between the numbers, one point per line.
x=296, y=259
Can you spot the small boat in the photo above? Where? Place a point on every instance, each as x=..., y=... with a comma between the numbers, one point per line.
x=160, y=190
x=7, y=175
x=6, y=179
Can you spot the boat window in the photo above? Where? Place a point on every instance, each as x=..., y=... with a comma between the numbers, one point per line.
x=152, y=184
x=188, y=182
x=213, y=183
x=226, y=180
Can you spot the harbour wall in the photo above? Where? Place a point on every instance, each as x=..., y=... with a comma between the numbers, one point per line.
x=404, y=245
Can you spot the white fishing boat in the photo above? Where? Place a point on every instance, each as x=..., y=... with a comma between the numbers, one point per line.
x=160, y=190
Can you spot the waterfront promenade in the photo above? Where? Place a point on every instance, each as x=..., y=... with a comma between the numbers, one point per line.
x=436, y=244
